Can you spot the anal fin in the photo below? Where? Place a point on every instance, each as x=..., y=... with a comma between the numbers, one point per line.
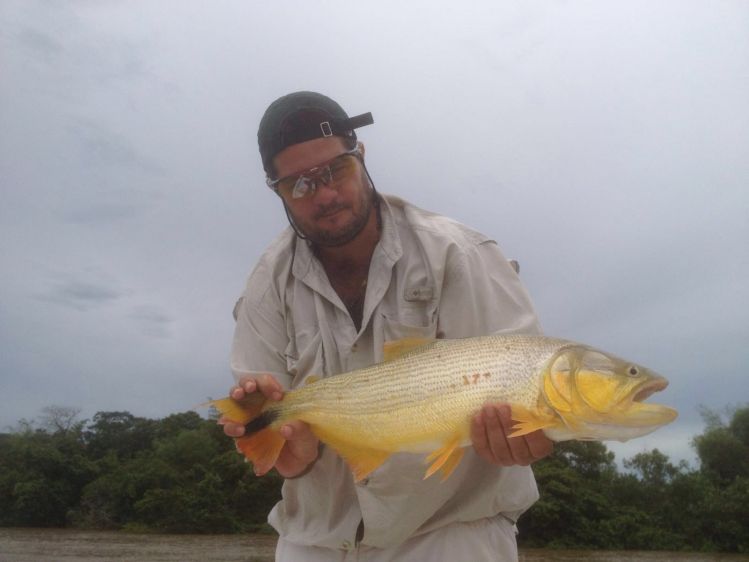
x=446, y=458
x=361, y=460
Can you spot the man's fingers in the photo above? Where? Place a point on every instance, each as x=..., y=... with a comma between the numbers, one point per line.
x=540, y=446
x=495, y=431
x=489, y=434
x=478, y=435
x=296, y=431
x=269, y=386
x=301, y=446
x=266, y=384
x=518, y=446
x=233, y=429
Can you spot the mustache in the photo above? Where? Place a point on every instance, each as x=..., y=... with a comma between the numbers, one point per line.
x=329, y=210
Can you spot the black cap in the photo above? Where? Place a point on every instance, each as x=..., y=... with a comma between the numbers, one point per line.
x=303, y=116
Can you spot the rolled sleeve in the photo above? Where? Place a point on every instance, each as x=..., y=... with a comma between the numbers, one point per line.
x=260, y=336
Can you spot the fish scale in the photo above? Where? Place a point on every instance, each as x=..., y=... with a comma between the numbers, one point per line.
x=423, y=397
x=428, y=385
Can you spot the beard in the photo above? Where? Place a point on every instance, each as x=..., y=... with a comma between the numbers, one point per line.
x=347, y=232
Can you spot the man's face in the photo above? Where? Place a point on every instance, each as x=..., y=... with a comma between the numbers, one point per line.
x=335, y=213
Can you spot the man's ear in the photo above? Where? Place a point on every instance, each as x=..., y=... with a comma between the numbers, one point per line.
x=361, y=148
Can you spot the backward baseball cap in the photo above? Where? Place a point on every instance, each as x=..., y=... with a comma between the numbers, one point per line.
x=300, y=117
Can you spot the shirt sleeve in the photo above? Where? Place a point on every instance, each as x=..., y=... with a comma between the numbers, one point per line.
x=482, y=294
x=260, y=337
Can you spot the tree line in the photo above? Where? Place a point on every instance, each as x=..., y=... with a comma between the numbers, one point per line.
x=181, y=474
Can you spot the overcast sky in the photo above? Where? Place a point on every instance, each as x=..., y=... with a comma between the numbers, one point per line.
x=605, y=145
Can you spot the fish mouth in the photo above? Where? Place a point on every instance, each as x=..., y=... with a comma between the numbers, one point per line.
x=644, y=414
x=649, y=388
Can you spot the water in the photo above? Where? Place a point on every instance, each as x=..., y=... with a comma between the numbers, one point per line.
x=63, y=545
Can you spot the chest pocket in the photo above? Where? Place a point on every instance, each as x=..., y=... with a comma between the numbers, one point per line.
x=414, y=317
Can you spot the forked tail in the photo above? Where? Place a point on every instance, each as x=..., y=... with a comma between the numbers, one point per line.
x=261, y=443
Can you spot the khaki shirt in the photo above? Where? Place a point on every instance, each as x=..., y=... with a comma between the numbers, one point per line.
x=430, y=277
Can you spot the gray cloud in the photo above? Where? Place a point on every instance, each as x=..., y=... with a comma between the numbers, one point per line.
x=152, y=321
x=40, y=44
x=80, y=295
x=101, y=147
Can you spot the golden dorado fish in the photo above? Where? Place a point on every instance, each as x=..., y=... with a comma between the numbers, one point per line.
x=422, y=398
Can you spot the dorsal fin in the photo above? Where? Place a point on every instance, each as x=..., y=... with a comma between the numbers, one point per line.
x=397, y=348
x=312, y=379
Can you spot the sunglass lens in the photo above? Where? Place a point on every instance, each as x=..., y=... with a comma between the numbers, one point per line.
x=302, y=187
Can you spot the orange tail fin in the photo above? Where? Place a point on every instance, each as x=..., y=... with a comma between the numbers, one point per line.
x=262, y=448
x=261, y=444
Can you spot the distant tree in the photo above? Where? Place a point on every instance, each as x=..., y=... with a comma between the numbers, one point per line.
x=653, y=468
x=723, y=449
x=573, y=503
x=61, y=419
x=120, y=432
x=41, y=477
x=739, y=425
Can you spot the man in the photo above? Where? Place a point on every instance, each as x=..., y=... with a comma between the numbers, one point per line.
x=354, y=270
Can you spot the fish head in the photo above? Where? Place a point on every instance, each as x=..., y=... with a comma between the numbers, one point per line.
x=601, y=396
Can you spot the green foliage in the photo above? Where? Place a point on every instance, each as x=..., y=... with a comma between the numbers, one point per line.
x=724, y=449
x=180, y=474
x=586, y=503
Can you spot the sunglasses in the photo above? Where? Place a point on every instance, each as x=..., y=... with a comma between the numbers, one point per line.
x=332, y=172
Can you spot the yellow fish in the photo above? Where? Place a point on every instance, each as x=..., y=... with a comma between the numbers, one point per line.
x=422, y=398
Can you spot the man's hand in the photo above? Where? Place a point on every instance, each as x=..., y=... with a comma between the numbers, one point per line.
x=301, y=447
x=489, y=432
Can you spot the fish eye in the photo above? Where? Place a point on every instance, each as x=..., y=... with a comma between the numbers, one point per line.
x=633, y=371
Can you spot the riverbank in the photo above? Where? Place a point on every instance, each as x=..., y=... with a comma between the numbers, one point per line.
x=71, y=545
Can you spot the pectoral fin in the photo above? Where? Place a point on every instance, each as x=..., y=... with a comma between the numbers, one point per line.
x=446, y=458
x=528, y=421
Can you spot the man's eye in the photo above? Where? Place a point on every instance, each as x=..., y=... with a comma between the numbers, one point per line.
x=301, y=187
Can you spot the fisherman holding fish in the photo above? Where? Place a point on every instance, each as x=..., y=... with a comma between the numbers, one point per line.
x=354, y=270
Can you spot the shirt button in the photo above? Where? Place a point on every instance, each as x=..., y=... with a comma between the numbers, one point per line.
x=346, y=545
x=354, y=348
